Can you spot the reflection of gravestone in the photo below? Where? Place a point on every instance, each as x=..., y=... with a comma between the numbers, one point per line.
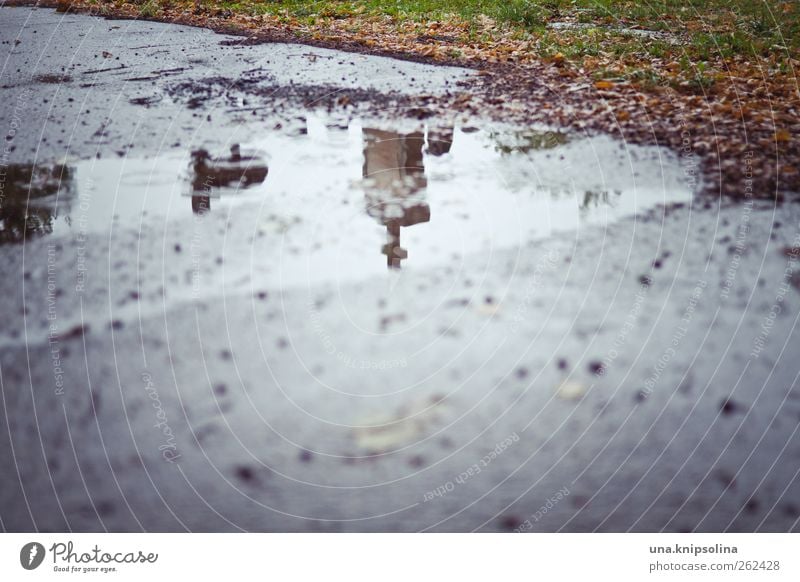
x=440, y=140
x=32, y=196
x=393, y=218
x=209, y=175
x=394, y=174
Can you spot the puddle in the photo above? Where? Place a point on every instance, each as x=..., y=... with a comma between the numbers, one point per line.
x=311, y=199
x=32, y=197
x=352, y=200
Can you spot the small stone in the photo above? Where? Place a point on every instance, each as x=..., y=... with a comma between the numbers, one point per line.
x=105, y=508
x=596, y=367
x=417, y=461
x=245, y=473
x=76, y=331
x=510, y=522
x=728, y=406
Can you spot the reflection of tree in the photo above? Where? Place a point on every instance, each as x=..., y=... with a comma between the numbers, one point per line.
x=524, y=142
x=394, y=175
x=29, y=205
x=211, y=174
x=595, y=198
x=586, y=200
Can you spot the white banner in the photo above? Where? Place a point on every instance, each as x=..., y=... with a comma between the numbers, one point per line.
x=399, y=557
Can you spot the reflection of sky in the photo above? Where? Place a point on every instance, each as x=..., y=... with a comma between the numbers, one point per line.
x=479, y=198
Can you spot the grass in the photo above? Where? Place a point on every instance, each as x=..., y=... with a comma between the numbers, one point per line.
x=701, y=36
x=734, y=26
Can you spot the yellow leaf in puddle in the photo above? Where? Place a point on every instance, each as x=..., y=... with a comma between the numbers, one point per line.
x=488, y=308
x=389, y=431
x=571, y=390
x=385, y=434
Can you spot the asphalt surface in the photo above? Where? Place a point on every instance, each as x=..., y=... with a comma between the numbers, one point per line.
x=444, y=325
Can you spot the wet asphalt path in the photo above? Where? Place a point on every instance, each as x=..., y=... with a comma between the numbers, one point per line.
x=165, y=372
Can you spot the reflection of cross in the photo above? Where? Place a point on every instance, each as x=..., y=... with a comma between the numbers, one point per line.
x=393, y=164
x=392, y=249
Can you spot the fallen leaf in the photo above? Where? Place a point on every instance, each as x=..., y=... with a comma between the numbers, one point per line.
x=571, y=390
x=488, y=308
x=389, y=431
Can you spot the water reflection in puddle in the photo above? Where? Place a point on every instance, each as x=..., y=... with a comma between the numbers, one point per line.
x=32, y=199
x=336, y=201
